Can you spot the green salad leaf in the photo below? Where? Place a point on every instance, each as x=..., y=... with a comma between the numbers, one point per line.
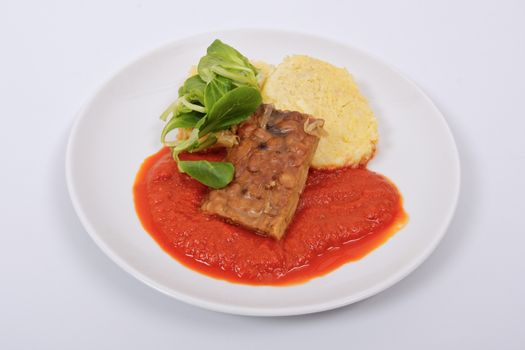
x=190, y=143
x=185, y=120
x=212, y=174
x=232, y=108
x=173, y=110
x=193, y=89
x=224, y=93
x=215, y=89
x=207, y=141
x=225, y=61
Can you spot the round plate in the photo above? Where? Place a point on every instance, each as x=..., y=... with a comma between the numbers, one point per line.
x=119, y=127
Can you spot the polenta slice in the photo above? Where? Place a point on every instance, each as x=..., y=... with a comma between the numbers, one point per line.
x=308, y=85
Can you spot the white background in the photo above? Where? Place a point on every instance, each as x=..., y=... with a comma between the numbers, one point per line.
x=59, y=291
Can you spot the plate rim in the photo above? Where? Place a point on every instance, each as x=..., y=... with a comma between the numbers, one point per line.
x=258, y=311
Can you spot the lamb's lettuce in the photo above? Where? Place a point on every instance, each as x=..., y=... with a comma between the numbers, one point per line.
x=223, y=93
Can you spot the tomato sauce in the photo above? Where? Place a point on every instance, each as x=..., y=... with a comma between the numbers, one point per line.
x=343, y=214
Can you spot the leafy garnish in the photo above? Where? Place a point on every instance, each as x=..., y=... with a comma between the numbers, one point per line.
x=223, y=93
x=193, y=89
x=225, y=61
x=212, y=174
x=232, y=108
x=207, y=141
x=185, y=120
x=215, y=89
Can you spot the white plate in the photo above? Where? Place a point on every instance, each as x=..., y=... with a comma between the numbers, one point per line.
x=119, y=127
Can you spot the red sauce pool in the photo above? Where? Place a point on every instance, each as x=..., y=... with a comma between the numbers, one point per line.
x=343, y=215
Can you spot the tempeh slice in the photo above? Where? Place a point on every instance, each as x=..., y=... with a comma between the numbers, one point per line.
x=271, y=166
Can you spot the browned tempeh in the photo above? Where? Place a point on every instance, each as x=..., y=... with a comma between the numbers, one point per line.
x=271, y=165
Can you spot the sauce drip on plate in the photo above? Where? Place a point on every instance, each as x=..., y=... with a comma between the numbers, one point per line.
x=343, y=214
